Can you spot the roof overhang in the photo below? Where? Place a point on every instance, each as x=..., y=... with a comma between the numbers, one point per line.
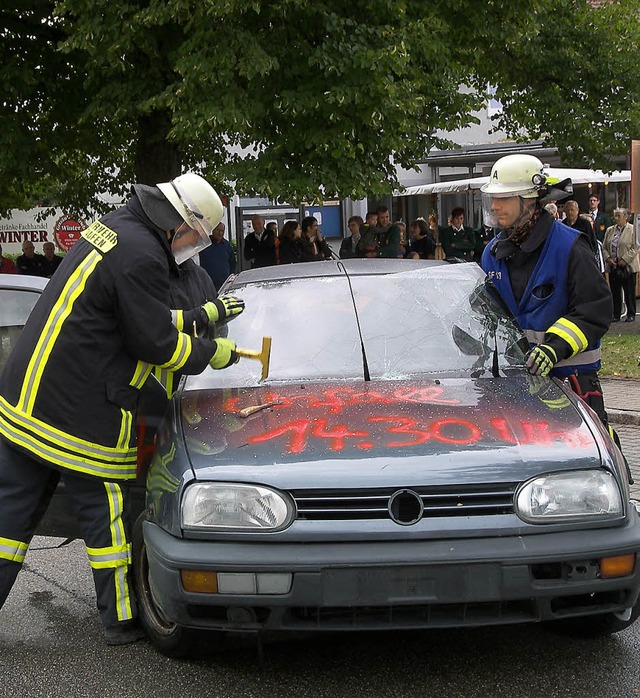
x=577, y=176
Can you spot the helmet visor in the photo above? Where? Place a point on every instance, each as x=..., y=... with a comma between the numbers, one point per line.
x=188, y=241
x=505, y=210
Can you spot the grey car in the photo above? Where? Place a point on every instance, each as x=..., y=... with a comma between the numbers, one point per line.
x=397, y=468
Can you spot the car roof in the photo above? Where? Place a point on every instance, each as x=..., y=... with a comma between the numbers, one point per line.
x=354, y=267
x=22, y=282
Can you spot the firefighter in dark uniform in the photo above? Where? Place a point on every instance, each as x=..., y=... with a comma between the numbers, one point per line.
x=69, y=391
x=547, y=274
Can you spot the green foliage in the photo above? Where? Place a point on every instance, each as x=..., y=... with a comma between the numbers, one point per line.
x=294, y=99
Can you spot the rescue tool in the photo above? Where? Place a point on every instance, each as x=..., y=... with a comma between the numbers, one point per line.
x=263, y=356
x=248, y=411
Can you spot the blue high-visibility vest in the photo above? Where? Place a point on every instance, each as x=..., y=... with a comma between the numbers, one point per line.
x=535, y=313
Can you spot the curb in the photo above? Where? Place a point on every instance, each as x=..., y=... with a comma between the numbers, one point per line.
x=623, y=417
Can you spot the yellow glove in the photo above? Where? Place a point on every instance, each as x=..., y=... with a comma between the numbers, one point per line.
x=541, y=359
x=222, y=308
x=225, y=354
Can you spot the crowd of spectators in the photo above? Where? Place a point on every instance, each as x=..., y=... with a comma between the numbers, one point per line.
x=378, y=237
x=30, y=262
x=424, y=239
x=298, y=241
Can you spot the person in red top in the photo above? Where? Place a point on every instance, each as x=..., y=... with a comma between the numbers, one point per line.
x=7, y=266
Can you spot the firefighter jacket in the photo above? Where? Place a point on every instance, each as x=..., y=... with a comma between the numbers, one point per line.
x=189, y=291
x=69, y=391
x=553, y=286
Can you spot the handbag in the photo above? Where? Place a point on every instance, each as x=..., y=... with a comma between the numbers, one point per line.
x=620, y=273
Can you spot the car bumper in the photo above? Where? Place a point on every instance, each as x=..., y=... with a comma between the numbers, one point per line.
x=403, y=584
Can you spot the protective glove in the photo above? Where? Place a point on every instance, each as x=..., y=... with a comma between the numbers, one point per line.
x=225, y=354
x=541, y=359
x=222, y=308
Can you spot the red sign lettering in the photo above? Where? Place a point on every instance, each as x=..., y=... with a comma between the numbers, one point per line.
x=67, y=230
x=335, y=400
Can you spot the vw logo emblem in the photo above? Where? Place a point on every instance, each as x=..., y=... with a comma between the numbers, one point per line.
x=405, y=507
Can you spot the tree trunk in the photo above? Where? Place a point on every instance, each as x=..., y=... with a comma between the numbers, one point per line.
x=157, y=158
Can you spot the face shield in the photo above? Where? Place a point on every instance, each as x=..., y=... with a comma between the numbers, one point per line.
x=507, y=209
x=191, y=237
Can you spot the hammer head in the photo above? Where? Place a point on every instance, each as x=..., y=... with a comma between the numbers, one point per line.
x=263, y=356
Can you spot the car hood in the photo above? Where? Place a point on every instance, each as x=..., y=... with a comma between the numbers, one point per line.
x=375, y=434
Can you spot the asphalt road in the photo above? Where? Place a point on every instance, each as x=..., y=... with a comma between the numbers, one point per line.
x=51, y=645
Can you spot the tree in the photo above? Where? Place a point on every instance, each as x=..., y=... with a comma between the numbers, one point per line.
x=294, y=99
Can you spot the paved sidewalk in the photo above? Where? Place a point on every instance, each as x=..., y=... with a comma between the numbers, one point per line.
x=630, y=440
x=622, y=399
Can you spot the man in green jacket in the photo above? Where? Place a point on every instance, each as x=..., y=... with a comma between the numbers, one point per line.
x=387, y=236
x=458, y=240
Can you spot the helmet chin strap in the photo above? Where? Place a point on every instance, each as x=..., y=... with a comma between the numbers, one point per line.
x=523, y=218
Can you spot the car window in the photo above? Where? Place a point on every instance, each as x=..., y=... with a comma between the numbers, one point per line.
x=15, y=306
x=434, y=320
x=313, y=330
x=441, y=319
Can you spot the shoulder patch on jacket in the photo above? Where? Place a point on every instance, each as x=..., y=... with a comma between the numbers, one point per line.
x=100, y=236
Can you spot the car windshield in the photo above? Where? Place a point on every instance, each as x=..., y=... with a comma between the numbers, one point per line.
x=15, y=306
x=433, y=320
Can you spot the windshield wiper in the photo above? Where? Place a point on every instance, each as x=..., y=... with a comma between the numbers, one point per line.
x=365, y=364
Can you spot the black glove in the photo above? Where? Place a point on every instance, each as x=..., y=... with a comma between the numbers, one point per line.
x=541, y=359
x=222, y=308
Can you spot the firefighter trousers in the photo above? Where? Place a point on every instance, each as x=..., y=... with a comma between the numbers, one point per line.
x=26, y=487
x=587, y=386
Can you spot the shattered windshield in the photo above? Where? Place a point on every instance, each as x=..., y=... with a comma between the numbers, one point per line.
x=440, y=319
x=437, y=319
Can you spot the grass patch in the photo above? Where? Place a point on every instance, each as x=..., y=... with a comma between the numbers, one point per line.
x=620, y=355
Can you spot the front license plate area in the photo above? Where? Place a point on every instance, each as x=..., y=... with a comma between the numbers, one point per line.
x=431, y=584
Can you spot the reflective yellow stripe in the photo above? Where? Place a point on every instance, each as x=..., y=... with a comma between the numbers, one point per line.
x=125, y=430
x=124, y=470
x=181, y=354
x=52, y=327
x=113, y=556
x=567, y=338
x=575, y=332
x=56, y=436
x=141, y=374
x=117, y=556
x=571, y=334
x=165, y=378
x=119, y=539
x=177, y=319
x=13, y=550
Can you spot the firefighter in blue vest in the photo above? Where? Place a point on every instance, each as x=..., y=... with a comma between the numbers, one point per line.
x=547, y=274
x=69, y=391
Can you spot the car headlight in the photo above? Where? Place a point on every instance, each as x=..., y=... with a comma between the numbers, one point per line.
x=226, y=506
x=569, y=496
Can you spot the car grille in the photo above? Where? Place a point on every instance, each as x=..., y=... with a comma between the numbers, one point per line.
x=467, y=500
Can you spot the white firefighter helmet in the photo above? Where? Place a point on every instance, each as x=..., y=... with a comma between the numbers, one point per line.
x=516, y=175
x=513, y=176
x=200, y=208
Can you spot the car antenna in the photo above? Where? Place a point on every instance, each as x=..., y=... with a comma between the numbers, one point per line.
x=365, y=364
